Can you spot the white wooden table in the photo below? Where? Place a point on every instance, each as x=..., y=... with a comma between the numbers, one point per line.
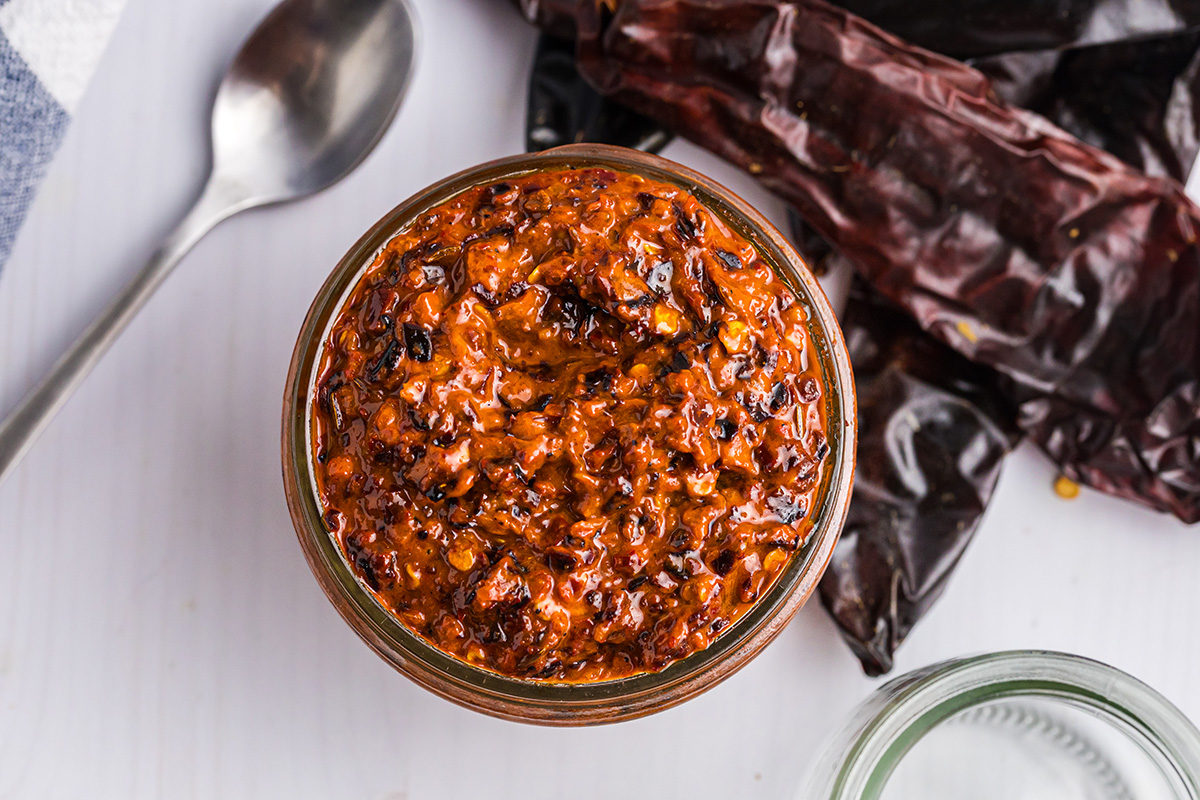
x=160, y=634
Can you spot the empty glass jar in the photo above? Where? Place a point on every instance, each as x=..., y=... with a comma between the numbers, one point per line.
x=1009, y=726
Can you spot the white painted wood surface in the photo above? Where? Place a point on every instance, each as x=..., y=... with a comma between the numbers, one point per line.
x=160, y=635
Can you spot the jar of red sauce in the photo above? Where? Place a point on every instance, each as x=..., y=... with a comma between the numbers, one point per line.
x=371, y=585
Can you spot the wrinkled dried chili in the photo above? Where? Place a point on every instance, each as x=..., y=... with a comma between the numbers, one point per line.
x=1136, y=99
x=933, y=431
x=1016, y=244
x=563, y=108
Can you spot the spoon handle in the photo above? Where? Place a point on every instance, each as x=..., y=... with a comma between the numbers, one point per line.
x=34, y=412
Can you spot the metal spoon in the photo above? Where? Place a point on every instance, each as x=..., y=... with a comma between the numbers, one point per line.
x=305, y=100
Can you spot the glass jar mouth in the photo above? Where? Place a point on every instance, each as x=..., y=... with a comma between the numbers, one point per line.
x=568, y=703
x=860, y=759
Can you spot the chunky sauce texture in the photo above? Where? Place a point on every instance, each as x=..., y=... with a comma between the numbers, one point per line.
x=569, y=427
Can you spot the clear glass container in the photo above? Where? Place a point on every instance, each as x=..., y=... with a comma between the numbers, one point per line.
x=1011, y=726
x=540, y=701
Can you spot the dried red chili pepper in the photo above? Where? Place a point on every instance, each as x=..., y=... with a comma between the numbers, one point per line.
x=1134, y=99
x=1130, y=94
x=1139, y=100
x=564, y=108
x=1013, y=242
x=933, y=431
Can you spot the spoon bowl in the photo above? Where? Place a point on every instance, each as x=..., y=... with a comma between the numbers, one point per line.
x=307, y=97
x=310, y=94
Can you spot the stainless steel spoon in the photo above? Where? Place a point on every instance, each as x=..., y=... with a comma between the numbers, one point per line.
x=305, y=100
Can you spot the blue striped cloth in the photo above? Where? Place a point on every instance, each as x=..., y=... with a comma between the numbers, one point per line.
x=48, y=50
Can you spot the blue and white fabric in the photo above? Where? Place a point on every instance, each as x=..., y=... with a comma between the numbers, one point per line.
x=48, y=50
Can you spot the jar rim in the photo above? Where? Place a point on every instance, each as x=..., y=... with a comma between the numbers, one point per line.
x=539, y=701
x=860, y=759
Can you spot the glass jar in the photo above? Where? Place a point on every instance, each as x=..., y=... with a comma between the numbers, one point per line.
x=540, y=701
x=1026, y=724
